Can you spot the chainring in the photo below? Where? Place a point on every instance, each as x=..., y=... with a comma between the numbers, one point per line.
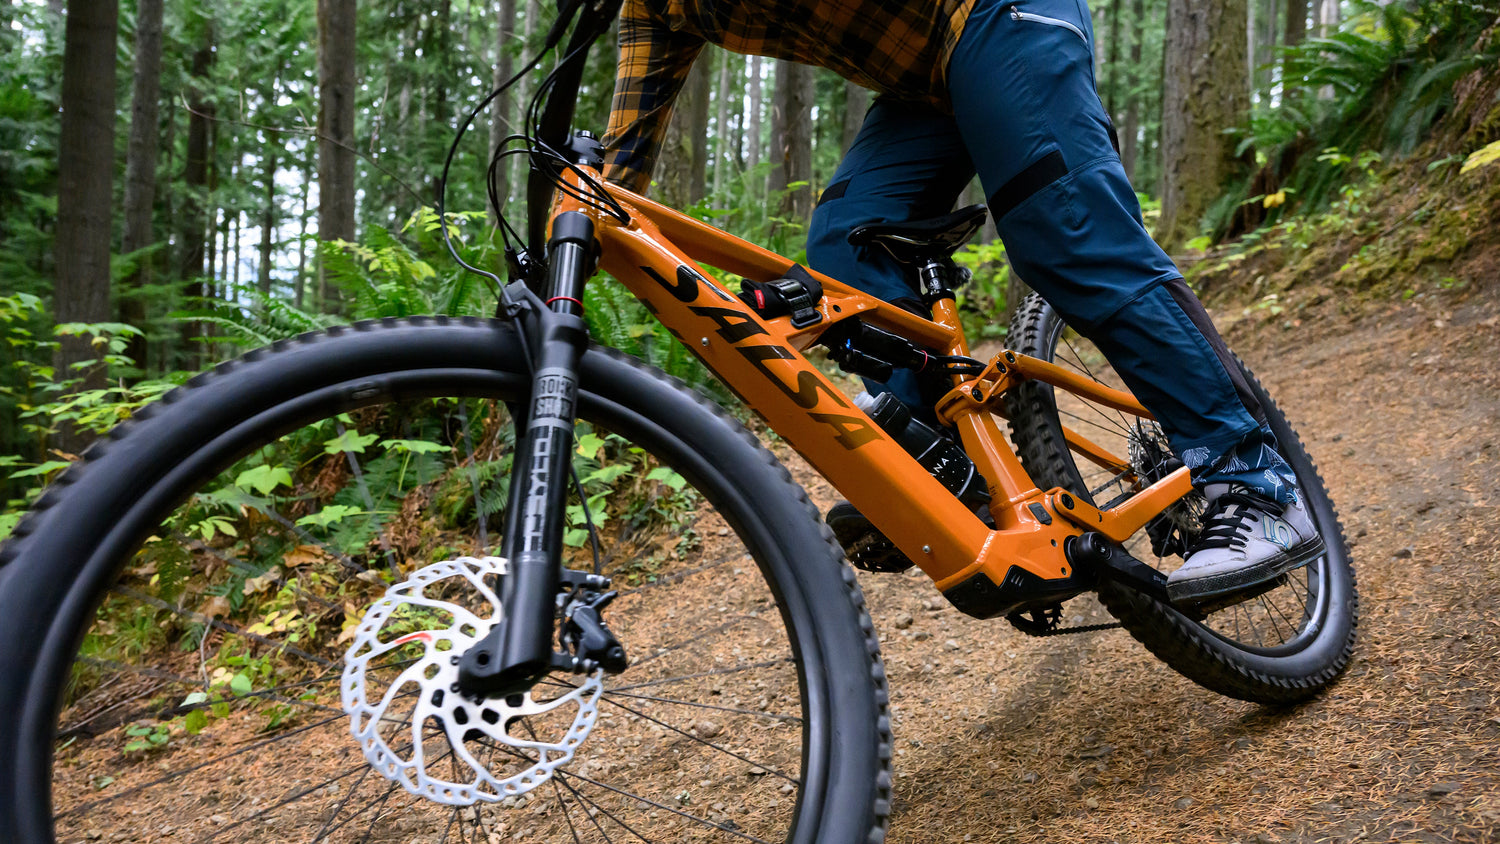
x=413, y=723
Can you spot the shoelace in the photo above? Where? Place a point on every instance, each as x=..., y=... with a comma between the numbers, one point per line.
x=1224, y=527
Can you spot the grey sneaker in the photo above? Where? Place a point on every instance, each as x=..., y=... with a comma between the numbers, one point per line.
x=1247, y=541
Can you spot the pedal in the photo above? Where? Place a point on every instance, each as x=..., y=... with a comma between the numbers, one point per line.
x=1200, y=611
x=867, y=548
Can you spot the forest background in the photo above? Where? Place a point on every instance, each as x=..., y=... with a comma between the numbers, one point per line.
x=180, y=181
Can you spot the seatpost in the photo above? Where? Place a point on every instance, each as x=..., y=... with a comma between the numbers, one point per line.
x=518, y=651
x=935, y=278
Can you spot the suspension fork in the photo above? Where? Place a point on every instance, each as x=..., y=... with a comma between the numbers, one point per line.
x=518, y=651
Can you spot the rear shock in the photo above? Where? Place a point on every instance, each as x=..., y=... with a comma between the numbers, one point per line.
x=518, y=651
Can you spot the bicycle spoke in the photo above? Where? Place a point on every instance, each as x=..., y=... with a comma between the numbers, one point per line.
x=198, y=767
x=684, y=678
x=291, y=799
x=603, y=811
x=622, y=792
x=702, y=741
x=375, y=815
x=692, y=639
x=669, y=579
x=675, y=702
x=480, y=516
x=328, y=824
x=1294, y=627
x=1271, y=617
x=1112, y=431
x=1090, y=372
x=557, y=791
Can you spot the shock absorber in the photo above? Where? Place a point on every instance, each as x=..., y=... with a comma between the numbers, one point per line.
x=518, y=651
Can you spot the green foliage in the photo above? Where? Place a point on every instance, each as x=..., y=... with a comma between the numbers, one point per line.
x=390, y=276
x=983, y=303
x=1390, y=70
x=616, y=319
x=249, y=318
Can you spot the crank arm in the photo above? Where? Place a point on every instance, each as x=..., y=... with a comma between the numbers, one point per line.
x=1094, y=552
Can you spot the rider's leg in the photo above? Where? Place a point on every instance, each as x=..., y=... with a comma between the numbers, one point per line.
x=1021, y=80
x=907, y=163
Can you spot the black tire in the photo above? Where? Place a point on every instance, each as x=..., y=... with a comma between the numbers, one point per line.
x=69, y=561
x=1279, y=648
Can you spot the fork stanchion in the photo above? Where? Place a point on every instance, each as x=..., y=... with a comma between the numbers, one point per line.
x=518, y=651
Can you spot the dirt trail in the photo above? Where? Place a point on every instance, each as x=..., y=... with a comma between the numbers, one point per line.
x=1088, y=738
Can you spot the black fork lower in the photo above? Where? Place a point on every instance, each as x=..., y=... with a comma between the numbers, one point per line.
x=518, y=651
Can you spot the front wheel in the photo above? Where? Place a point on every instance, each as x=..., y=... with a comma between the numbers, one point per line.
x=194, y=613
x=1279, y=647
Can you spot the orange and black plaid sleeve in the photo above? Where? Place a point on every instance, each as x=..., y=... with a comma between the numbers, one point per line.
x=654, y=64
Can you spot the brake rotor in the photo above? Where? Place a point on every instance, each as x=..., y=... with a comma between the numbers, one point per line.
x=400, y=690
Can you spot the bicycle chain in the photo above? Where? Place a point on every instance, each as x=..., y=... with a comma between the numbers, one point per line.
x=1042, y=623
x=1062, y=631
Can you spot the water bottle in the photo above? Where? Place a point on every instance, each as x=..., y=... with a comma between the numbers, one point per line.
x=938, y=454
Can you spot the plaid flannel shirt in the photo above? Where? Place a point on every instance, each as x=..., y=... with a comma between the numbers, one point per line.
x=894, y=47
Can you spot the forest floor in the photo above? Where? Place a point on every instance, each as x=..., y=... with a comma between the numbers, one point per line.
x=1088, y=738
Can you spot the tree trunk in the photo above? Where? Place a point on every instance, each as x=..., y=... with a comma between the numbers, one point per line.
x=700, y=87
x=1328, y=25
x=1129, y=140
x=721, y=126
x=856, y=103
x=1112, y=65
x=973, y=194
x=1203, y=94
x=211, y=211
x=500, y=116
x=236, y=234
x=85, y=185
x=193, y=230
x=1266, y=39
x=300, y=285
x=679, y=177
x=791, y=140
x=336, y=83
x=1292, y=35
x=1296, y=22
x=140, y=169
x=267, y=223
x=753, y=129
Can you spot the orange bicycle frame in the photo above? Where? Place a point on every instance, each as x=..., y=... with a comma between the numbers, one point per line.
x=657, y=256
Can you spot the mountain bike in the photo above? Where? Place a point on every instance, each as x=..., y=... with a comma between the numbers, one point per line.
x=499, y=648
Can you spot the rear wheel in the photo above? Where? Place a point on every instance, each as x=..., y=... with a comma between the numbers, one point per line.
x=186, y=605
x=1279, y=647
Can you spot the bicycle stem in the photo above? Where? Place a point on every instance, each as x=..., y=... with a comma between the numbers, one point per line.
x=518, y=651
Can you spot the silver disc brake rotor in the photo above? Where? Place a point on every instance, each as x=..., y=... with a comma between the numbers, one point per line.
x=400, y=691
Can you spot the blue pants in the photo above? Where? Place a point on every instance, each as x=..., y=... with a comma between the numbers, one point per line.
x=1028, y=119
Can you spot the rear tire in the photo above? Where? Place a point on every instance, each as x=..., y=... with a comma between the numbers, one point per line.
x=73, y=574
x=1279, y=648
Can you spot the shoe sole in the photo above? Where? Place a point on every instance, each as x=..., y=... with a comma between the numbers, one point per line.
x=1192, y=594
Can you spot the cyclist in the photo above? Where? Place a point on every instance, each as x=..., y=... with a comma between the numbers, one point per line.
x=1004, y=87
